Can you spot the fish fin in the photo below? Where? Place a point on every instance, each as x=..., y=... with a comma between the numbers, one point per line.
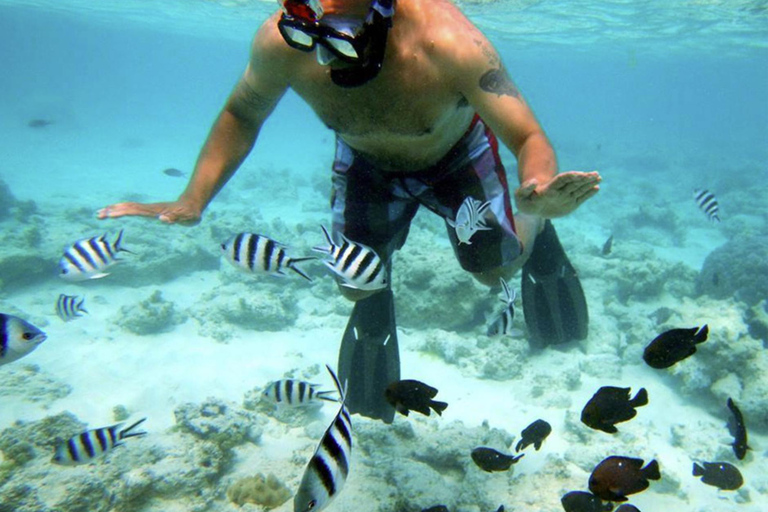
x=701, y=335
x=641, y=398
x=515, y=459
x=438, y=407
x=292, y=266
x=328, y=239
x=520, y=445
x=126, y=432
x=325, y=395
x=537, y=445
x=554, y=304
x=697, y=470
x=97, y=276
x=651, y=471
x=117, y=247
x=451, y=222
x=609, y=429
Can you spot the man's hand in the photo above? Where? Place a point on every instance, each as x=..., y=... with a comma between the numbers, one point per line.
x=175, y=212
x=559, y=196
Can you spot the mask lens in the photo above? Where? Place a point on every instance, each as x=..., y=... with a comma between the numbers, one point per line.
x=297, y=38
x=342, y=47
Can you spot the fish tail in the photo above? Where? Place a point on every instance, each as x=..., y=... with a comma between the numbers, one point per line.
x=701, y=335
x=438, y=407
x=697, y=470
x=116, y=246
x=126, y=432
x=325, y=395
x=651, y=471
x=641, y=398
x=326, y=249
x=292, y=265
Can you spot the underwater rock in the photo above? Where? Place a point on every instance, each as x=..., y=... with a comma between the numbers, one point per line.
x=26, y=440
x=219, y=422
x=757, y=319
x=32, y=385
x=22, y=268
x=237, y=304
x=737, y=269
x=150, y=316
x=268, y=491
x=7, y=200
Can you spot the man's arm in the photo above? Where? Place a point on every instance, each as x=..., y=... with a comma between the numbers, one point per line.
x=484, y=82
x=230, y=140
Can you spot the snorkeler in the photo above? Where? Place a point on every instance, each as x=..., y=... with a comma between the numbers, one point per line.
x=417, y=96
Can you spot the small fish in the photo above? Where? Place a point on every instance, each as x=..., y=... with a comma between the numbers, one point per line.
x=17, y=338
x=89, y=258
x=534, y=434
x=412, y=395
x=254, y=253
x=616, y=477
x=611, y=405
x=356, y=264
x=92, y=444
x=295, y=392
x=738, y=430
x=68, y=308
x=673, y=346
x=627, y=508
x=469, y=219
x=39, y=123
x=607, y=246
x=502, y=323
x=580, y=501
x=722, y=475
x=707, y=203
x=174, y=173
x=491, y=460
x=328, y=468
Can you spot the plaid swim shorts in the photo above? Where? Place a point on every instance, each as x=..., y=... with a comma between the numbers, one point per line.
x=375, y=207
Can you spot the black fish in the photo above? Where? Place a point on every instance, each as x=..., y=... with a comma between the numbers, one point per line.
x=738, y=430
x=615, y=477
x=607, y=246
x=719, y=474
x=580, y=501
x=491, y=460
x=534, y=434
x=611, y=405
x=412, y=395
x=175, y=173
x=673, y=346
x=436, y=508
x=627, y=508
x=39, y=123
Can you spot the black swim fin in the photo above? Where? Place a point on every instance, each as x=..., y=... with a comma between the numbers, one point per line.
x=369, y=358
x=554, y=305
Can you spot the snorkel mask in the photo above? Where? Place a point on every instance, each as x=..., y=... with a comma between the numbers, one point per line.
x=360, y=44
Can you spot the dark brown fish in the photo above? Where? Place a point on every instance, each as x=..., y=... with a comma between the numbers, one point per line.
x=580, y=501
x=412, y=395
x=738, y=430
x=719, y=474
x=39, y=123
x=616, y=477
x=611, y=405
x=673, y=346
x=627, y=508
x=175, y=173
x=491, y=460
x=607, y=246
x=534, y=434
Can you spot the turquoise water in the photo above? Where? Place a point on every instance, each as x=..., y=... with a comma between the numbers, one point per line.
x=660, y=96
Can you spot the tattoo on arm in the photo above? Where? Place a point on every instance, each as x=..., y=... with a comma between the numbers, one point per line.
x=252, y=100
x=497, y=81
x=490, y=54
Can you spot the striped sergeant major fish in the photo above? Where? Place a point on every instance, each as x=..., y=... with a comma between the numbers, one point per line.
x=295, y=393
x=356, y=264
x=255, y=253
x=469, y=219
x=708, y=204
x=17, y=338
x=92, y=444
x=327, y=471
x=68, y=307
x=90, y=257
x=502, y=323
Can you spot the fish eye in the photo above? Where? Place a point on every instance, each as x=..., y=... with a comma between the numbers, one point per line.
x=311, y=504
x=28, y=336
